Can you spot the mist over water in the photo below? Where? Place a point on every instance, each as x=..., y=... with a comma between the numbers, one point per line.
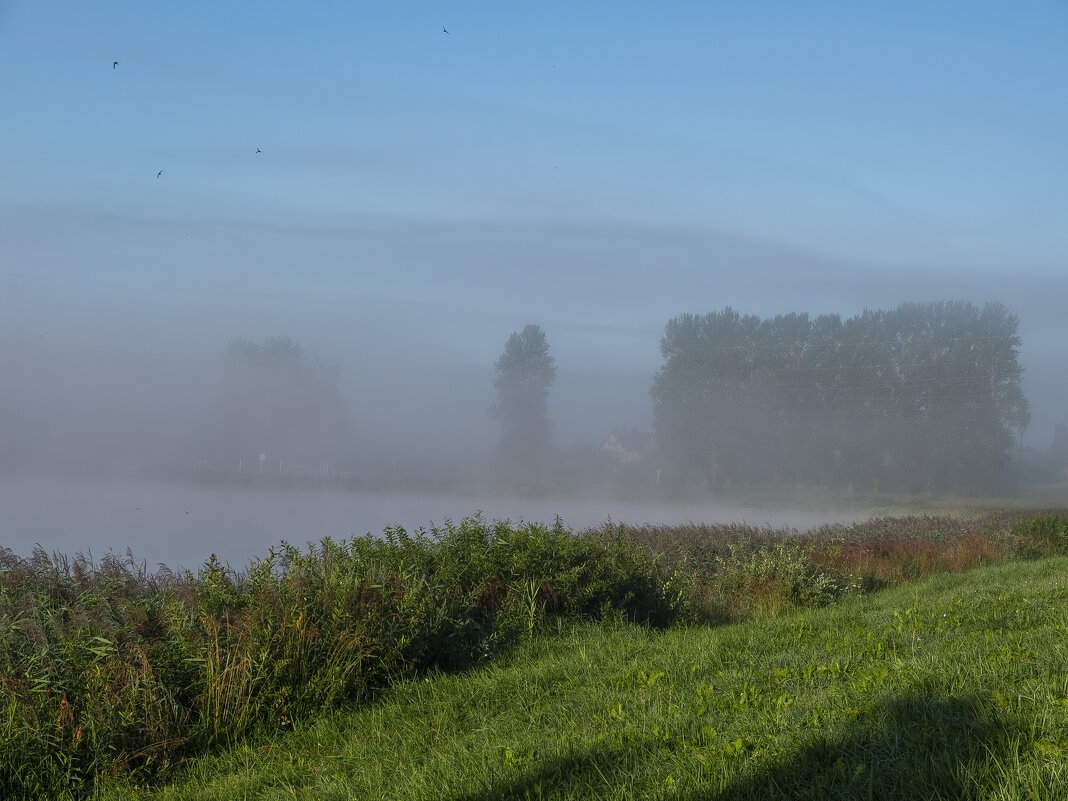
x=180, y=525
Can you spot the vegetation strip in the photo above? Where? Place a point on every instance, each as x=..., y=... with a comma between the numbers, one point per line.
x=107, y=670
x=953, y=688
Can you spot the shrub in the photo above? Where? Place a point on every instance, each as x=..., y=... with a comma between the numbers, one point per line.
x=1040, y=537
x=776, y=578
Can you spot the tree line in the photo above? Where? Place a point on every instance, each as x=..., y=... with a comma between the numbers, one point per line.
x=921, y=397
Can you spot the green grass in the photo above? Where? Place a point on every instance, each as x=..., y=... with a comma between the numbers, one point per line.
x=955, y=686
x=107, y=670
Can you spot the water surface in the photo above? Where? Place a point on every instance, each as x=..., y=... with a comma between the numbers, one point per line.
x=181, y=525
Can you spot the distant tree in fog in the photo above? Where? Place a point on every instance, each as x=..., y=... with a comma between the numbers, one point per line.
x=274, y=400
x=924, y=396
x=524, y=373
x=702, y=395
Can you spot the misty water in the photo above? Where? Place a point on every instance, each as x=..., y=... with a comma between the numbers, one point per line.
x=180, y=525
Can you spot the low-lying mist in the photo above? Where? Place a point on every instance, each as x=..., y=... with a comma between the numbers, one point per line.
x=230, y=445
x=180, y=525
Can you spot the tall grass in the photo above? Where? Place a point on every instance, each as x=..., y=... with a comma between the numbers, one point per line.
x=106, y=668
x=731, y=572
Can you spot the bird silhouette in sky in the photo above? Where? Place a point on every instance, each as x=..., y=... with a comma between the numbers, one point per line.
x=258, y=150
x=445, y=30
x=114, y=64
x=158, y=174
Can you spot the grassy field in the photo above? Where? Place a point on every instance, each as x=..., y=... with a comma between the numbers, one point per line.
x=952, y=687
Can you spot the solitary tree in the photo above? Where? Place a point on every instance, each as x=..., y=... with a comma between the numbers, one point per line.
x=525, y=371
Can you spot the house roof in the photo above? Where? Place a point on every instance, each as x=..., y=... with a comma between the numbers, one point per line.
x=630, y=441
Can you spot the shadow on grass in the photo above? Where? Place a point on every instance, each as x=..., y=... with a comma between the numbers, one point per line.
x=911, y=748
x=582, y=774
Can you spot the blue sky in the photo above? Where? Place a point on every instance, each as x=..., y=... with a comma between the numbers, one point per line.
x=595, y=168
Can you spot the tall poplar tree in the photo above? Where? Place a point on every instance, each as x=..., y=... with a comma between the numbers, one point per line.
x=524, y=374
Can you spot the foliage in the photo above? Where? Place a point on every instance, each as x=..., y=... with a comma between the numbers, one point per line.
x=1040, y=537
x=106, y=668
x=950, y=689
x=734, y=571
x=922, y=397
x=524, y=373
x=774, y=579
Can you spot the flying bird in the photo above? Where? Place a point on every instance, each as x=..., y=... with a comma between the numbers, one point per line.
x=158, y=174
x=258, y=150
x=114, y=64
x=444, y=29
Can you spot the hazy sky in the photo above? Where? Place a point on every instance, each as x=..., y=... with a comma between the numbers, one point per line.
x=595, y=168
